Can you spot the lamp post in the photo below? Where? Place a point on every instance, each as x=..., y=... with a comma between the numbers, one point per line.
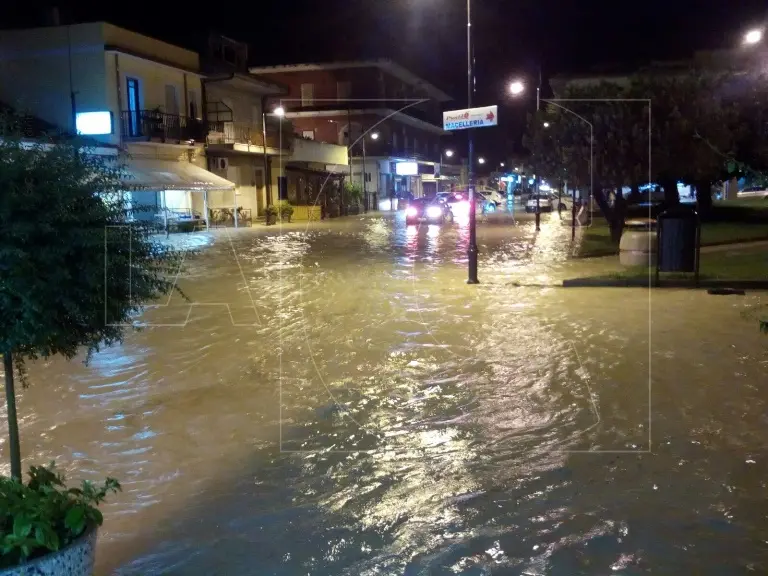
x=472, y=246
x=449, y=154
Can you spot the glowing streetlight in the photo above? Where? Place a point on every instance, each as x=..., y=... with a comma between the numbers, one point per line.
x=279, y=111
x=449, y=153
x=501, y=164
x=516, y=88
x=753, y=36
x=374, y=136
x=546, y=124
x=481, y=160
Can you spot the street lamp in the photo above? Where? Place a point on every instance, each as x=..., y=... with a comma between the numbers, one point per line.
x=481, y=160
x=375, y=136
x=753, y=36
x=501, y=164
x=546, y=124
x=516, y=87
x=449, y=153
x=279, y=111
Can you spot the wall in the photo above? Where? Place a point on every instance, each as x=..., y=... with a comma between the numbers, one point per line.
x=246, y=108
x=153, y=78
x=309, y=151
x=35, y=71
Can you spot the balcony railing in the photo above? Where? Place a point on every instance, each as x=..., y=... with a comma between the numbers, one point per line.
x=249, y=134
x=154, y=125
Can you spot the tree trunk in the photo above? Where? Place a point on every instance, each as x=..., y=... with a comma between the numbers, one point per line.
x=619, y=213
x=704, y=196
x=671, y=196
x=634, y=195
x=13, y=423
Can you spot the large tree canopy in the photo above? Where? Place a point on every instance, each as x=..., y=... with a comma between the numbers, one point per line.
x=74, y=267
x=659, y=127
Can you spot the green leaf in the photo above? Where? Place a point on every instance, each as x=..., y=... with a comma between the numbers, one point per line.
x=75, y=519
x=22, y=526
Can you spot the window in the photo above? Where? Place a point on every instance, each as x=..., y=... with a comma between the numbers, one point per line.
x=308, y=134
x=193, y=105
x=307, y=94
x=134, y=105
x=171, y=100
x=343, y=90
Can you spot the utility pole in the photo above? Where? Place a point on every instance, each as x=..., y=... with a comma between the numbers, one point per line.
x=537, y=176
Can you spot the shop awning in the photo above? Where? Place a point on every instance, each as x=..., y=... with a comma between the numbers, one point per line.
x=150, y=174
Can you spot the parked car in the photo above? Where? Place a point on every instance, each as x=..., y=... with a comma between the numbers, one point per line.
x=498, y=198
x=546, y=203
x=429, y=210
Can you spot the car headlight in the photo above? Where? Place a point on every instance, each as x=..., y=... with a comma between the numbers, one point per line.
x=411, y=211
x=434, y=212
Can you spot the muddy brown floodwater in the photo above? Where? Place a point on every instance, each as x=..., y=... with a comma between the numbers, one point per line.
x=337, y=401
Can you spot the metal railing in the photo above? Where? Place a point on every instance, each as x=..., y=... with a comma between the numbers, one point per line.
x=153, y=124
x=225, y=217
x=244, y=133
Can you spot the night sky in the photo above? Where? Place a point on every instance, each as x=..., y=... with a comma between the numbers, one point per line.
x=512, y=37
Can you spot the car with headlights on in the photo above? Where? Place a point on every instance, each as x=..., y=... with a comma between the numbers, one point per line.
x=428, y=210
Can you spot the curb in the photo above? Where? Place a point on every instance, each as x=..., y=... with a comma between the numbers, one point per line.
x=648, y=283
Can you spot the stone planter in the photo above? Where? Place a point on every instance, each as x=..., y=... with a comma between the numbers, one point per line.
x=637, y=246
x=77, y=559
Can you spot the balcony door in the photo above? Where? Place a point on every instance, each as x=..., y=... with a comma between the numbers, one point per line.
x=134, y=107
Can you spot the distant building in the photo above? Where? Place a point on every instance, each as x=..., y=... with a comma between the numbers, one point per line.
x=127, y=91
x=388, y=118
x=235, y=106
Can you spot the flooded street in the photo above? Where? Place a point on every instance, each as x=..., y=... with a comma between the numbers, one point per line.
x=335, y=400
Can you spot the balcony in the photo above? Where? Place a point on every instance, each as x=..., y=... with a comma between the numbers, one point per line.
x=154, y=125
x=239, y=135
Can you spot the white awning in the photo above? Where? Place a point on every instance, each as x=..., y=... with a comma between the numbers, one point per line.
x=150, y=174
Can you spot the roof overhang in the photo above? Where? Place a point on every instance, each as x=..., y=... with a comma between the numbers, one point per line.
x=245, y=83
x=152, y=174
x=164, y=63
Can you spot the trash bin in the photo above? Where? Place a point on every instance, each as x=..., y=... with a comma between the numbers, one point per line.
x=678, y=238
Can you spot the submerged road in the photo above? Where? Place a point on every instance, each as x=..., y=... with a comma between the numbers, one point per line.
x=336, y=400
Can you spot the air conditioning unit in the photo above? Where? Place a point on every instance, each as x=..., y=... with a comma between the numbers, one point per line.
x=220, y=164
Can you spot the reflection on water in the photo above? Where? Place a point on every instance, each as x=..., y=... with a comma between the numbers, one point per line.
x=382, y=417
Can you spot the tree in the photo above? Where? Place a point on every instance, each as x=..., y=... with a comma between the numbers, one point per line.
x=74, y=267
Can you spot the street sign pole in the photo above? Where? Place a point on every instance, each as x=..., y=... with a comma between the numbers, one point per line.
x=472, y=247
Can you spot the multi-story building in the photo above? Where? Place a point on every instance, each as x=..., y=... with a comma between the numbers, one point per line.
x=239, y=123
x=129, y=92
x=388, y=118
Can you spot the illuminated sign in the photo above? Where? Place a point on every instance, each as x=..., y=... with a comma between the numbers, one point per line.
x=93, y=123
x=471, y=118
x=406, y=168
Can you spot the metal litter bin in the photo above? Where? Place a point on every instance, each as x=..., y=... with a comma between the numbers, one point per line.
x=678, y=241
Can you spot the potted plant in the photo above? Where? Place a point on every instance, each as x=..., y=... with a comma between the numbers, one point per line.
x=286, y=210
x=270, y=214
x=353, y=194
x=48, y=528
x=61, y=211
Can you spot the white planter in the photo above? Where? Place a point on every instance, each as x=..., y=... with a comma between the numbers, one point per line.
x=75, y=560
x=638, y=245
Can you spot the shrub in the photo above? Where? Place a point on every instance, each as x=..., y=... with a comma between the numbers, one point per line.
x=44, y=515
x=286, y=210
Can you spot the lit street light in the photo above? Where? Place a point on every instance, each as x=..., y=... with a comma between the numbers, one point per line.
x=546, y=124
x=501, y=164
x=279, y=111
x=481, y=160
x=516, y=87
x=753, y=37
x=449, y=153
x=375, y=136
